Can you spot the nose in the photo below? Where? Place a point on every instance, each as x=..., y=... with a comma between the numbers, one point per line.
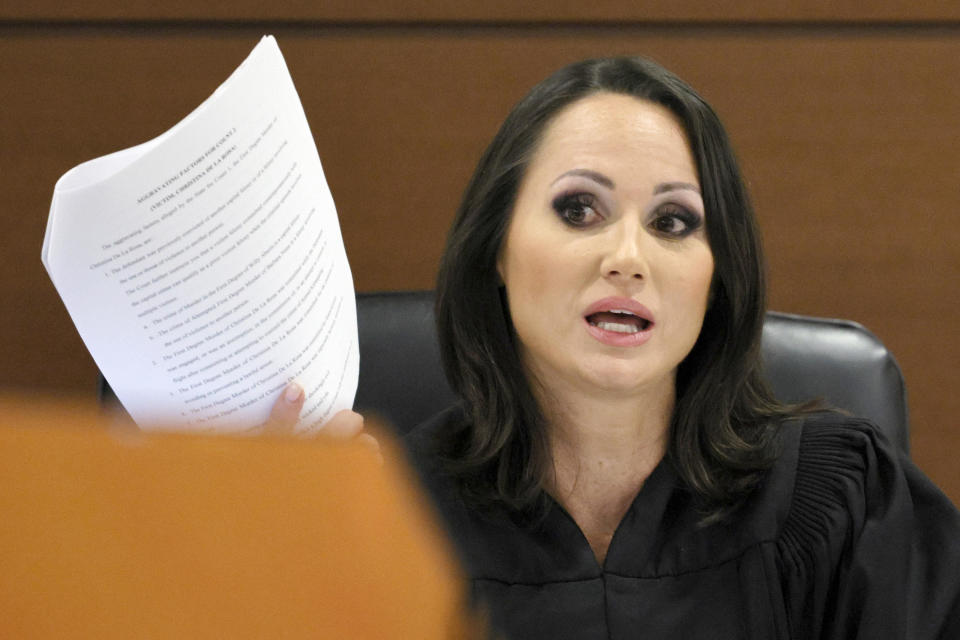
x=625, y=258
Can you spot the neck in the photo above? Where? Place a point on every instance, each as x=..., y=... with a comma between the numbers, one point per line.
x=603, y=448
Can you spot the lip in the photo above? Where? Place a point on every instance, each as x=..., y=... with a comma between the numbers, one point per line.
x=614, y=338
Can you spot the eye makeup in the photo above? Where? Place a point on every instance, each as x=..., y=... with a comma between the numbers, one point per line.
x=586, y=197
x=674, y=221
x=676, y=210
x=582, y=197
x=577, y=208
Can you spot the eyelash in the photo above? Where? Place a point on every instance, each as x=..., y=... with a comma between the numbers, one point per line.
x=690, y=220
x=568, y=205
x=572, y=208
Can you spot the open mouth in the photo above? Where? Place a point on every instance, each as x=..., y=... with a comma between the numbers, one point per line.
x=618, y=321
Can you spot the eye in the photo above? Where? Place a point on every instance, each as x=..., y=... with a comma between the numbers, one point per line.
x=576, y=209
x=675, y=221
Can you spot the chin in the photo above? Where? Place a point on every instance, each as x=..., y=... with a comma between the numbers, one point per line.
x=624, y=378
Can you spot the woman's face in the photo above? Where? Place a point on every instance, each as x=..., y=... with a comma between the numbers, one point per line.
x=606, y=262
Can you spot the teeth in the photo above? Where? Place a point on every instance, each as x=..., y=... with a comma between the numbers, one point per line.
x=618, y=328
x=622, y=312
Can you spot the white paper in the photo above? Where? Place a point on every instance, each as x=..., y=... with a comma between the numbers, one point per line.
x=205, y=269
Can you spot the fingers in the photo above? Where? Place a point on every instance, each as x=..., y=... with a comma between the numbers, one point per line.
x=286, y=410
x=349, y=424
x=371, y=443
x=344, y=424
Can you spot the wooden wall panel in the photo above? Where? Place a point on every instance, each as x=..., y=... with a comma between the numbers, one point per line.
x=556, y=11
x=849, y=139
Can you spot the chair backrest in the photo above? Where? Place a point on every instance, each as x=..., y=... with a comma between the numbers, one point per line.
x=805, y=358
x=838, y=361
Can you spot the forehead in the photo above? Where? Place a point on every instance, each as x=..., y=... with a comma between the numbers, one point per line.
x=616, y=133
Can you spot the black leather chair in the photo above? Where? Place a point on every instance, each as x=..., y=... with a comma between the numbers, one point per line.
x=838, y=361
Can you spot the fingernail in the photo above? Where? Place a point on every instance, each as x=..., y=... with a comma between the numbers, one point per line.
x=293, y=392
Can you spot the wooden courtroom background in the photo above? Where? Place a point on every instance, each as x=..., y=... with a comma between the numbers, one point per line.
x=846, y=119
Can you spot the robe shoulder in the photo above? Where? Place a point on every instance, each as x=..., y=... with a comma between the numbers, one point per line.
x=870, y=546
x=845, y=538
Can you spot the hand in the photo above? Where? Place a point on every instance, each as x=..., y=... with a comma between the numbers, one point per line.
x=343, y=425
x=286, y=410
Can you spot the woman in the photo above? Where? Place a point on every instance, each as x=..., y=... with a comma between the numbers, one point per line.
x=617, y=468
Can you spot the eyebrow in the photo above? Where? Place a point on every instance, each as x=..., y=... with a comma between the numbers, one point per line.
x=664, y=187
x=586, y=173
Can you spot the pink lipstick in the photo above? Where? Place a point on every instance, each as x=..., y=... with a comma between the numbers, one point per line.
x=619, y=322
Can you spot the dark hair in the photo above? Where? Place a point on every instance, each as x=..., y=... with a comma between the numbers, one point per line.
x=722, y=431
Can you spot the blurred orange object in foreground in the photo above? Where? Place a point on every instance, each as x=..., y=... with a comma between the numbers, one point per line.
x=111, y=533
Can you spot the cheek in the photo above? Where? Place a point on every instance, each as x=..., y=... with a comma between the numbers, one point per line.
x=693, y=277
x=701, y=290
x=528, y=265
x=701, y=284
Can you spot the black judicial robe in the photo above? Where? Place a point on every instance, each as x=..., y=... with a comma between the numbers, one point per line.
x=845, y=539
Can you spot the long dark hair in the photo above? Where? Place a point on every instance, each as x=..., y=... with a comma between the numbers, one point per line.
x=722, y=432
